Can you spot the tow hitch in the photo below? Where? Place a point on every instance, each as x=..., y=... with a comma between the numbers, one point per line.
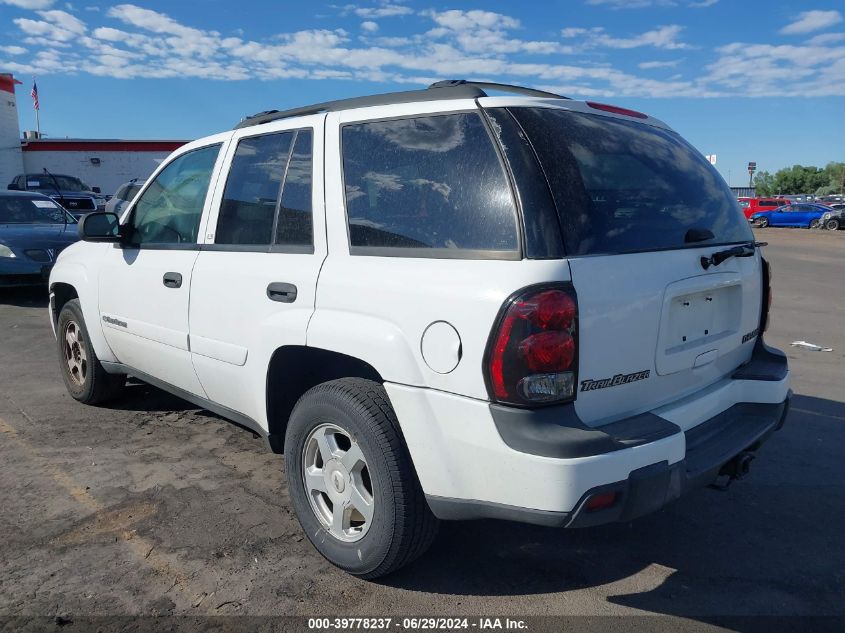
x=735, y=469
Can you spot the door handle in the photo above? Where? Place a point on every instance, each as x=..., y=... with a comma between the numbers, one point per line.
x=280, y=291
x=172, y=280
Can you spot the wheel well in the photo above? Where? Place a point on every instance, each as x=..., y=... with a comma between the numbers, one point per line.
x=62, y=293
x=293, y=370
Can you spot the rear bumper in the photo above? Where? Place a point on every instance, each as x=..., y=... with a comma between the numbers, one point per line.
x=709, y=447
x=476, y=460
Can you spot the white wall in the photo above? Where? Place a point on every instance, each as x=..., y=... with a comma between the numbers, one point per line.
x=115, y=168
x=11, y=162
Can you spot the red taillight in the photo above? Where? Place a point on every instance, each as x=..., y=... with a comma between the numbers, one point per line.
x=600, y=501
x=616, y=110
x=531, y=357
x=548, y=351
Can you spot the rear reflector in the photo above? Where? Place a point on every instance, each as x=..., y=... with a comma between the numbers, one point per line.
x=616, y=110
x=600, y=501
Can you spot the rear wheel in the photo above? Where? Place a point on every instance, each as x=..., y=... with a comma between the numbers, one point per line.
x=351, y=481
x=832, y=224
x=763, y=223
x=83, y=374
x=814, y=224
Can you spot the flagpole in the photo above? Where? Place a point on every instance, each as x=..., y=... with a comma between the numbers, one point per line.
x=37, y=108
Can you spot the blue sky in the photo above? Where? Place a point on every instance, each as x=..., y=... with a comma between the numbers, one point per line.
x=760, y=80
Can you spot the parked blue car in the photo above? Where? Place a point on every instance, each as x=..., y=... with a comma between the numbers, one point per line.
x=807, y=215
x=33, y=231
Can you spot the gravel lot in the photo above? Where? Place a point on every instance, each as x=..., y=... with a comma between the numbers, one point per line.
x=155, y=507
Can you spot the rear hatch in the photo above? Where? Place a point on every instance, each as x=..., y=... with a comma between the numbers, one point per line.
x=639, y=208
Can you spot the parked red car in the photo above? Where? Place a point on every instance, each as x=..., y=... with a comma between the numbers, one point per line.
x=751, y=206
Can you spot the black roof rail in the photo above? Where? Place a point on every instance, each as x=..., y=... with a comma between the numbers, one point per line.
x=449, y=89
x=491, y=85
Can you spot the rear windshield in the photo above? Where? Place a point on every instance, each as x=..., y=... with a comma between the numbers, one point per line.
x=28, y=210
x=130, y=192
x=623, y=187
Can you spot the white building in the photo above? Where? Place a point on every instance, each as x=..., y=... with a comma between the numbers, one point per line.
x=103, y=163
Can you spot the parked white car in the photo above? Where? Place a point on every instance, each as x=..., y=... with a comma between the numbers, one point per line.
x=124, y=194
x=441, y=305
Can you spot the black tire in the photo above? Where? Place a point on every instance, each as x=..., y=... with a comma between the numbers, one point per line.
x=402, y=525
x=762, y=223
x=832, y=224
x=92, y=384
x=814, y=224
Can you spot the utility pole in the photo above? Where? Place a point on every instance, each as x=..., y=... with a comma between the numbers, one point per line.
x=842, y=185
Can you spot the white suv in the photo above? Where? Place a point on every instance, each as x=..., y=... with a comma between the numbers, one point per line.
x=441, y=305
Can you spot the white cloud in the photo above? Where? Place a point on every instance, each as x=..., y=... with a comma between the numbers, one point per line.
x=56, y=27
x=826, y=38
x=662, y=37
x=810, y=21
x=456, y=20
x=29, y=4
x=128, y=41
x=13, y=50
x=386, y=9
x=644, y=4
x=658, y=64
x=369, y=26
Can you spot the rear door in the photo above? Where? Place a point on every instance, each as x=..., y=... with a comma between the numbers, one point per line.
x=639, y=209
x=255, y=279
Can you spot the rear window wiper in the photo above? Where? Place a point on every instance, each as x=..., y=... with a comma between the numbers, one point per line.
x=743, y=250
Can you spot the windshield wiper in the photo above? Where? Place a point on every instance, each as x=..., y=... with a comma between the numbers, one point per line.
x=743, y=250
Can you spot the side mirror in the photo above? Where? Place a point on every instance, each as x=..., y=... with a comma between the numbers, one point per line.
x=96, y=189
x=13, y=187
x=100, y=227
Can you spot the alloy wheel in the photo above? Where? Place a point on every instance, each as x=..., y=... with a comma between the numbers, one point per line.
x=75, y=355
x=337, y=482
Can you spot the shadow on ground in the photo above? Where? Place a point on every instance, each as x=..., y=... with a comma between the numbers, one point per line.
x=713, y=552
x=25, y=296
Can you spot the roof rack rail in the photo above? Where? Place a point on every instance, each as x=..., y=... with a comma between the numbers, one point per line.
x=449, y=89
x=491, y=85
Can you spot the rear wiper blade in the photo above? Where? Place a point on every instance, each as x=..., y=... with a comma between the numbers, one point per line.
x=743, y=250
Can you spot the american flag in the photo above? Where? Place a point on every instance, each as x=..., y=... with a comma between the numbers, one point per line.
x=34, y=95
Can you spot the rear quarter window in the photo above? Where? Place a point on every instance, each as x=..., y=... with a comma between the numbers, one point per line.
x=430, y=186
x=623, y=187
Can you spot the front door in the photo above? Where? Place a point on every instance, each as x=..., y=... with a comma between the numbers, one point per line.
x=255, y=280
x=145, y=282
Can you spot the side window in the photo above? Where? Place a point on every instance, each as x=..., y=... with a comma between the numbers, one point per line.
x=170, y=209
x=432, y=182
x=295, y=223
x=252, y=190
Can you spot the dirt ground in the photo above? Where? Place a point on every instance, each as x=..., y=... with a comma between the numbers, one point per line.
x=153, y=507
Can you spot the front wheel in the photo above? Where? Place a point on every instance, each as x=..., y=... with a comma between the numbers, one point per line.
x=83, y=374
x=351, y=480
x=762, y=223
x=832, y=224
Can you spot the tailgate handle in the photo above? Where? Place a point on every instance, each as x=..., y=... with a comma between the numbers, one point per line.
x=706, y=358
x=281, y=291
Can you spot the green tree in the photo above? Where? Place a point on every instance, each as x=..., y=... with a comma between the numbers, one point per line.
x=800, y=179
x=764, y=182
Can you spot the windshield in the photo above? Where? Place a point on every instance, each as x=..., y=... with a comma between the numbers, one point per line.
x=25, y=210
x=623, y=187
x=63, y=183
